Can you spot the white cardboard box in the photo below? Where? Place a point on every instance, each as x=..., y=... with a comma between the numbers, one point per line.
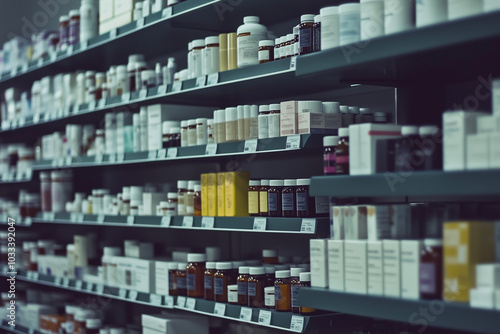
x=106, y=9
x=378, y=222
x=488, y=276
x=157, y=114
x=478, y=152
x=356, y=278
x=319, y=262
x=338, y=223
x=336, y=265
x=392, y=268
x=150, y=201
x=356, y=229
x=375, y=270
x=410, y=268
x=482, y=298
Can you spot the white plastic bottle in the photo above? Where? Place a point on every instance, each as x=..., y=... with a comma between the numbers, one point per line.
x=350, y=23
x=463, y=8
x=169, y=71
x=89, y=19
x=197, y=60
x=372, y=19
x=431, y=12
x=248, y=36
x=329, y=27
x=211, y=55
x=399, y=15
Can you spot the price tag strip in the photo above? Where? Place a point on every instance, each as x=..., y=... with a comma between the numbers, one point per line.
x=246, y=314
x=251, y=146
x=220, y=309
x=169, y=301
x=308, y=225
x=211, y=149
x=156, y=300
x=165, y=221
x=207, y=222
x=293, y=142
x=191, y=304
x=259, y=224
x=297, y=323
x=265, y=317
x=181, y=301
x=187, y=221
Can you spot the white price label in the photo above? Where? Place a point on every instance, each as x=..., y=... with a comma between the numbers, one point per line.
x=211, y=149
x=25, y=67
x=208, y=222
x=98, y=158
x=152, y=155
x=169, y=301
x=187, y=221
x=90, y=286
x=70, y=49
x=122, y=293
x=58, y=280
x=125, y=97
x=28, y=221
x=102, y=103
x=31, y=331
x=181, y=301
x=201, y=81
x=78, y=284
x=22, y=122
x=308, y=225
x=172, y=153
x=162, y=153
x=36, y=118
x=220, y=309
x=177, y=86
x=265, y=317
x=5, y=125
x=143, y=93
x=130, y=220
x=293, y=63
x=213, y=79
x=167, y=12
x=156, y=300
x=293, y=142
x=99, y=289
x=73, y=217
x=53, y=56
x=76, y=109
x=84, y=44
x=297, y=323
x=51, y=216
x=120, y=157
x=161, y=90
x=112, y=158
x=191, y=304
x=259, y=224
x=65, y=281
x=13, y=73
x=246, y=314
x=133, y=295
x=80, y=218
x=140, y=23
x=251, y=146
x=165, y=221
x=100, y=219
x=29, y=173
x=113, y=33
x=92, y=105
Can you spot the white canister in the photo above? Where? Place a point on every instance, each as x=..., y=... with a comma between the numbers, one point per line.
x=399, y=15
x=431, y=12
x=211, y=62
x=350, y=23
x=372, y=19
x=331, y=107
x=196, y=57
x=329, y=27
x=201, y=131
x=310, y=106
x=248, y=36
x=89, y=19
x=462, y=8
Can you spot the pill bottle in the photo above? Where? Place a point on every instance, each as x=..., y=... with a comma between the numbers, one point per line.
x=306, y=30
x=266, y=51
x=181, y=279
x=282, y=291
x=222, y=278
x=288, y=204
x=274, y=198
x=372, y=19
x=329, y=27
x=264, y=187
x=242, y=284
x=195, y=275
x=342, y=152
x=350, y=23
x=209, y=280
x=329, y=147
x=256, y=285
x=253, y=197
x=248, y=36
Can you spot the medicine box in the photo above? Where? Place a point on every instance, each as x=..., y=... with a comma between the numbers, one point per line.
x=378, y=222
x=236, y=193
x=318, y=249
x=336, y=265
x=375, y=271
x=392, y=268
x=355, y=270
x=157, y=114
x=410, y=268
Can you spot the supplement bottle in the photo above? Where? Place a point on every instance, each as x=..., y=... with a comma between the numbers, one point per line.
x=211, y=53
x=222, y=278
x=256, y=284
x=350, y=23
x=274, y=120
x=242, y=283
x=248, y=36
x=263, y=121
x=282, y=291
x=181, y=197
x=266, y=51
x=92, y=326
x=305, y=203
x=191, y=133
x=264, y=187
x=288, y=204
x=189, y=198
x=274, y=198
x=277, y=49
x=231, y=124
x=295, y=286
x=172, y=279
x=372, y=19
x=195, y=275
x=181, y=279
x=305, y=281
x=253, y=198
x=317, y=33
x=270, y=277
x=431, y=269
x=270, y=256
x=342, y=152
x=269, y=301
x=306, y=30
x=209, y=280
x=329, y=27
x=329, y=162
x=197, y=200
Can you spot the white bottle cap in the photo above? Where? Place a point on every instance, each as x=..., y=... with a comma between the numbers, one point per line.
x=264, y=182
x=112, y=251
x=269, y=269
x=244, y=270
x=365, y=111
x=317, y=19
x=428, y=130
x=331, y=107
x=212, y=40
x=184, y=124
x=269, y=253
x=191, y=184
x=326, y=11
x=303, y=182
x=330, y=141
x=353, y=110
x=344, y=132
x=231, y=114
x=194, y=257
x=263, y=108
x=198, y=43
x=197, y=187
x=254, y=111
x=251, y=19
x=276, y=183
x=191, y=122
x=277, y=41
x=282, y=274
x=294, y=272
x=237, y=264
x=93, y=323
x=344, y=109
x=266, y=42
x=181, y=266
x=175, y=130
x=135, y=58
x=307, y=18
x=433, y=242
x=310, y=106
x=274, y=107
x=241, y=112
x=223, y=265
x=305, y=277
x=210, y=265
x=182, y=184
x=349, y=7
x=254, y=183
x=172, y=195
x=221, y=116
x=409, y=130
x=64, y=18
x=257, y=271
x=282, y=40
x=290, y=183
x=290, y=37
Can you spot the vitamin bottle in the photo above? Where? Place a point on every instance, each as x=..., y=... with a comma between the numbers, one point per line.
x=197, y=200
x=431, y=269
x=317, y=33
x=209, y=280
x=406, y=151
x=181, y=279
x=329, y=163
x=74, y=27
x=232, y=294
x=63, y=31
x=277, y=49
x=256, y=285
x=45, y=191
x=172, y=279
x=274, y=197
x=282, y=291
x=270, y=256
x=192, y=135
x=181, y=197
x=253, y=198
x=248, y=36
x=274, y=120
x=201, y=131
x=350, y=23
x=241, y=122
x=189, y=198
x=295, y=286
x=242, y=283
x=306, y=34
x=264, y=187
x=92, y=326
x=231, y=124
x=342, y=152
x=269, y=301
x=184, y=134
x=266, y=51
x=289, y=45
x=305, y=281
x=263, y=121
x=222, y=278
x=195, y=275
x=305, y=203
x=211, y=53
x=288, y=198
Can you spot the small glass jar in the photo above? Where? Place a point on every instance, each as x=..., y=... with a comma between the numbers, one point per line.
x=317, y=33
x=195, y=275
x=210, y=270
x=256, y=285
x=191, y=133
x=266, y=51
x=274, y=198
x=74, y=27
x=181, y=279
x=242, y=283
x=232, y=294
x=269, y=297
x=253, y=198
x=329, y=162
x=342, y=152
x=431, y=269
x=282, y=291
x=288, y=199
x=222, y=278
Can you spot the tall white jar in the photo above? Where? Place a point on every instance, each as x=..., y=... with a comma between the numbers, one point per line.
x=248, y=36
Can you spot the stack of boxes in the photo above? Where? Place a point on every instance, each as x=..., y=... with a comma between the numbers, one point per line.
x=224, y=194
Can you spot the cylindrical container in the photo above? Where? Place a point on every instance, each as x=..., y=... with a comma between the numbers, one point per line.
x=306, y=34
x=282, y=291
x=330, y=27
x=264, y=187
x=197, y=60
x=231, y=124
x=92, y=326
x=232, y=51
x=248, y=36
x=211, y=55
x=342, y=152
x=372, y=19
x=137, y=15
x=242, y=284
x=46, y=191
x=269, y=298
x=148, y=79
x=201, y=131
x=184, y=133
x=329, y=162
x=122, y=82
x=223, y=52
x=463, y=8
x=256, y=285
x=274, y=198
x=253, y=197
x=305, y=282
x=274, y=120
x=222, y=278
x=220, y=126
x=172, y=278
x=270, y=256
x=61, y=189
x=431, y=269
x=81, y=251
x=241, y=122
x=266, y=51
x=195, y=275
x=181, y=279
x=189, y=198
x=305, y=203
x=209, y=280
x=192, y=134
x=431, y=12
x=316, y=34
x=74, y=27
x=288, y=204
x=277, y=49
x=182, y=186
x=350, y=23
x=63, y=31
x=295, y=286
x=89, y=22
x=253, y=122
x=399, y=15
x=263, y=120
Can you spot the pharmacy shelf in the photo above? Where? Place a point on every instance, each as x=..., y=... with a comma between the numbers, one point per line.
x=431, y=184
x=249, y=147
x=442, y=53
x=161, y=34
x=439, y=314
x=285, y=321
x=18, y=329
x=305, y=226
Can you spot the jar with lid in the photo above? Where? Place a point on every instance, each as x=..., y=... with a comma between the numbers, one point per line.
x=191, y=132
x=329, y=162
x=184, y=134
x=46, y=191
x=210, y=131
x=222, y=278
x=132, y=60
x=181, y=279
x=317, y=33
x=282, y=291
x=211, y=63
x=175, y=137
x=248, y=36
x=277, y=49
x=380, y=118
x=431, y=147
x=74, y=27
x=264, y=187
x=256, y=285
x=431, y=269
x=288, y=204
x=365, y=116
x=197, y=60
x=263, y=121
x=209, y=280
x=197, y=200
x=172, y=279
x=266, y=51
x=269, y=297
x=295, y=286
x=122, y=86
x=342, y=152
x=305, y=281
x=92, y=326
x=274, y=198
x=63, y=32
x=253, y=198
x=270, y=256
x=189, y=198
x=61, y=189
x=231, y=124
x=181, y=197
x=270, y=278
x=148, y=79
x=195, y=275
x=140, y=67
x=242, y=283
x=406, y=153
x=306, y=34
x=289, y=45
x=274, y=120
x=172, y=203
x=201, y=131
x=305, y=203
x=32, y=205
x=350, y=23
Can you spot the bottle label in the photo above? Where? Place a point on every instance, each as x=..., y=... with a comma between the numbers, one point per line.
x=427, y=278
x=242, y=288
x=329, y=161
x=277, y=292
x=264, y=55
x=295, y=295
x=208, y=282
x=181, y=282
x=305, y=38
x=248, y=48
x=342, y=159
x=350, y=26
x=272, y=200
x=322, y=204
x=219, y=286
x=171, y=278
x=252, y=289
x=287, y=202
x=302, y=202
x=191, y=282
x=253, y=202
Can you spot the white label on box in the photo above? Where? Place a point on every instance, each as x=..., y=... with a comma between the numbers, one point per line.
x=177, y=86
x=250, y=146
x=100, y=219
x=293, y=142
x=207, y=222
x=355, y=267
x=172, y=153
x=79, y=284
x=156, y=300
x=336, y=265
x=246, y=314
x=392, y=268
x=181, y=301
x=187, y=221
x=410, y=268
x=169, y=301
x=308, y=225
x=220, y=309
x=211, y=149
x=297, y=323
x=265, y=317
x=162, y=153
x=201, y=81
x=122, y=293
x=130, y=220
x=259, y=224
x=165, y=221
x=213, y=79
x=133, y=295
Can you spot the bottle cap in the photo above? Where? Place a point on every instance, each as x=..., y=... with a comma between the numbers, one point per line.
x=191, y=184
x=231, y=114
x=197, y=187
x=63, y=18
x=433, y=242
x=212, y=40
x=331, y=107
x=354, y=110
x=270, y=269
x=112, y=251
x=244, y=270
x=276, y=183
x=290, y=37
x=290, y=183
x=344, y=132
x=254, y=183
x=349, y=7
x=223, y=265
x=174, y=131
x=198, y=43
x=210, y=265
x=330, y=141
x=93, y=323
x=257, y=271
x=181, y=266
x=266, y=42
x=307, y=18
x=365, y=111
x=282, y=274
x=201, y=120
x=317, y=19
x=251, y=19
x=172, y=266
x=182, y=184
x=344, y=109
x=303, y=182
x=264, y=108
x=275, y=107
x=264, y=183
x=237, y=264
x=172, y=195
x=305, y=277
x=294, y=272
x=428, y=130
x=194, y=257
x=232, y=287
x=326, y=11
